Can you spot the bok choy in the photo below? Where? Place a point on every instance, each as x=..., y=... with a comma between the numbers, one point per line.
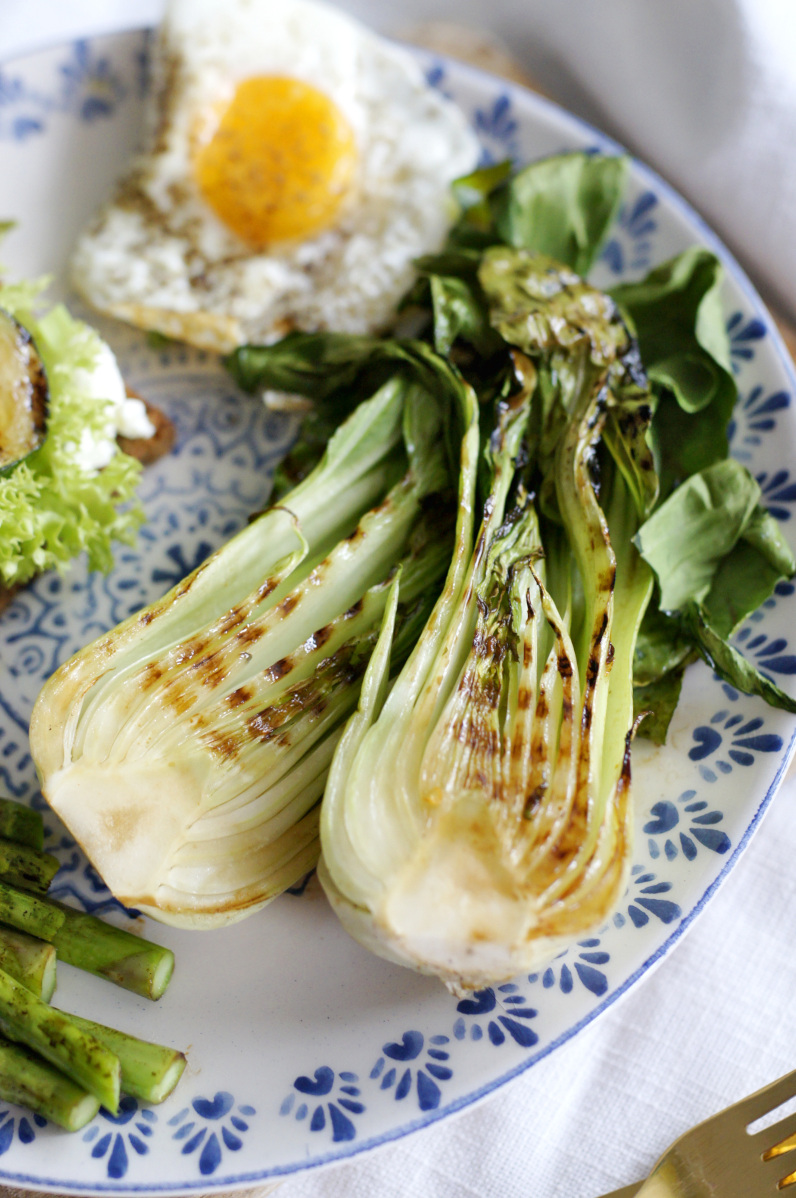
x=476, y=818
x=563, y=207
x=477, y=814
x=187, y=750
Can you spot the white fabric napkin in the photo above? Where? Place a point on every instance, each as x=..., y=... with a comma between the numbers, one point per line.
x=706, y=93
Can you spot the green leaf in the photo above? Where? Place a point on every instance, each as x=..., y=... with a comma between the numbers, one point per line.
x=655, y=704
x=471, y=190
x=52, y=509
x=460, y=312
x=318, y=365
x=561, y=206
x=663, y=645
x=688, y=536
x=731, y=665
x=472, y=194
x=337, y=371
x=677, y=316
x=458, y=302
x=749, y=574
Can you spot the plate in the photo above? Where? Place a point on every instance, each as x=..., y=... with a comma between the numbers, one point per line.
x=304, y=1049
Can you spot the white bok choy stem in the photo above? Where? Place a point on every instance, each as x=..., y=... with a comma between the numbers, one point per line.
x=187, y=749
x=476, y=818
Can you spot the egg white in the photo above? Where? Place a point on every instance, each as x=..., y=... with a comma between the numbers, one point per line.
x=159, y=257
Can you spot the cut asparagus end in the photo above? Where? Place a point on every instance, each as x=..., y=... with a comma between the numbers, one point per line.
x=127, y=960
x=31, y=961
x=29, y=1081
x=149, y=1071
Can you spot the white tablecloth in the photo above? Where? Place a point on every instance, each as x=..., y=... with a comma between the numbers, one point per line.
x=707, y=93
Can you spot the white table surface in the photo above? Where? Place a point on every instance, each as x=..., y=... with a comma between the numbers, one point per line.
x=717, y=1018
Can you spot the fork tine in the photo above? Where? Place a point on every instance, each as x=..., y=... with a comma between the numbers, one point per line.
x=770, y=1137
x=765, y=1100
x=775, y=1170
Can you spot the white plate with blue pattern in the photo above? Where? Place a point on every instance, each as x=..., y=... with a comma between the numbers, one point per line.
x=303, y=1048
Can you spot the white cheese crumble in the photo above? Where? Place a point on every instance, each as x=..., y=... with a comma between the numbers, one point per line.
x=126, y=416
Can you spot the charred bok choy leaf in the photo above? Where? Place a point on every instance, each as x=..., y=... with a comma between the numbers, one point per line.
x=477, y=817
x=187, y=750
x=563, y=206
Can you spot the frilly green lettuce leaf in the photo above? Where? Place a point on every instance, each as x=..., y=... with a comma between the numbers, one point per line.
x=51, y=509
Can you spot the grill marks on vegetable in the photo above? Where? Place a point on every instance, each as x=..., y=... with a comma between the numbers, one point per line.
x=197, y=671
x=232, y=711
x=523, y=780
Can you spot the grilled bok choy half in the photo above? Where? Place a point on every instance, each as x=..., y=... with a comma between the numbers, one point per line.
x=187, y=749
x=476, y=817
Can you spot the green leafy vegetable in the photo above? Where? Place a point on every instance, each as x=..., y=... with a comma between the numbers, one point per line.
x=677, y=315
x=476, y=817
x=561, y=206
x=717, y=555
x=732, y=665
x=51, y=509
x=478, y=722
x=691, y=534
x=565, y=205
x=430, y=855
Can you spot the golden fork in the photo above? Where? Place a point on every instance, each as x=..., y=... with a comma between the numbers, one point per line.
x=720, y=1158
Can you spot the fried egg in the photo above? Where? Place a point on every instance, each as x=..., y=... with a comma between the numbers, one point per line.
x=295, y=165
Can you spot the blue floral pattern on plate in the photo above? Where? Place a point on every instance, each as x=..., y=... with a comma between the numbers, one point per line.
x=683, y=825
x=629, y=250
x=302, y=1047
x=585, y=963
x=86, y=85
x=211, y=1127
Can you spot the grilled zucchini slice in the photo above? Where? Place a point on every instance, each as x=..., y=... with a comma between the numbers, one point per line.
x=24, y=394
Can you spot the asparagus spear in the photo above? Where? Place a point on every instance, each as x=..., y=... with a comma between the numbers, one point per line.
x=22, y=824
x=24, y=866
x=29, y=1081
x=29, y=1020
x=89, y=943
x=121, y=957
x=149, y=1071
x=30, y=913
x=30, y=961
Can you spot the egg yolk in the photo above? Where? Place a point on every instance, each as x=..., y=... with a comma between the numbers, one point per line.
x=279, y=163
